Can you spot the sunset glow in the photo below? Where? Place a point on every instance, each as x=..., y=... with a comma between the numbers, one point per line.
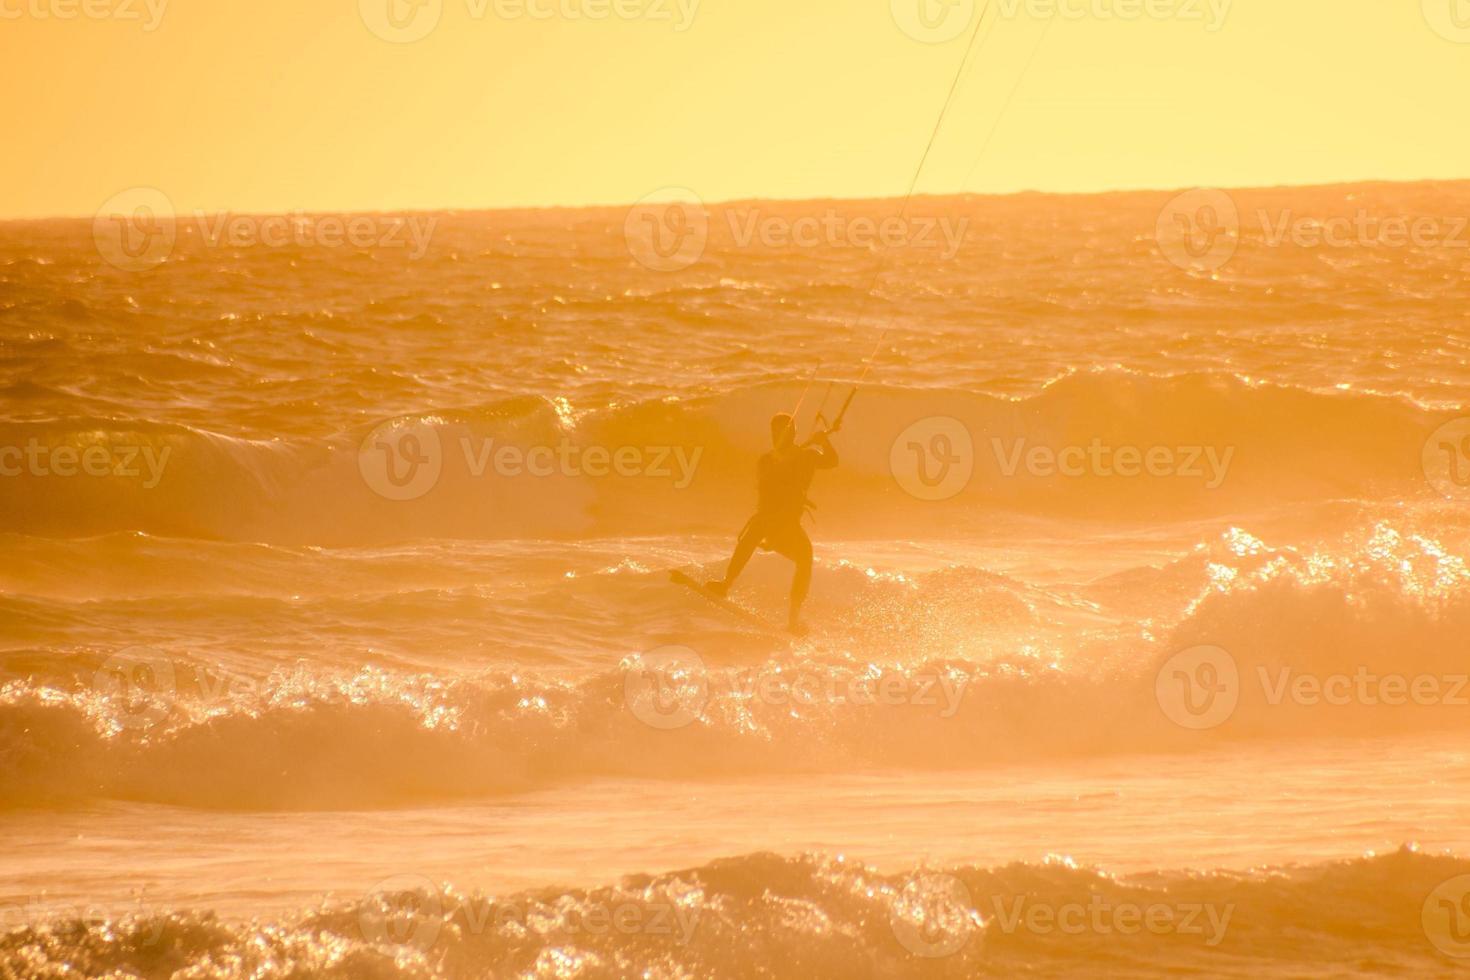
x=682, y=489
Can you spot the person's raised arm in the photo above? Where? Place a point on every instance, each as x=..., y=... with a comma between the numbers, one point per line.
x=827, y=456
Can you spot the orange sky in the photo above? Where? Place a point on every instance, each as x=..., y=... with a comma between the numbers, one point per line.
x=277, y=105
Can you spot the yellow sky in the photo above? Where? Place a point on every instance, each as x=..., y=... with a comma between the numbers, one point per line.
x=272, y=105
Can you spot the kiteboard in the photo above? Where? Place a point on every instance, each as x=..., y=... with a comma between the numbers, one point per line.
x=739, y=612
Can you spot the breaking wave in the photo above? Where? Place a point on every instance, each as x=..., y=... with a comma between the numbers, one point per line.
x=1377, y=633
x=809, y=916
x=1111, y=444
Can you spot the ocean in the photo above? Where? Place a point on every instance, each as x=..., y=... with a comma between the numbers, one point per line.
x=337, y=638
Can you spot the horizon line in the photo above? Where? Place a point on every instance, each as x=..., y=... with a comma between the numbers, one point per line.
x=729, y=202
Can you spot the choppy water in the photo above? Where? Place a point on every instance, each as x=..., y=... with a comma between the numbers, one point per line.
x=343, y=571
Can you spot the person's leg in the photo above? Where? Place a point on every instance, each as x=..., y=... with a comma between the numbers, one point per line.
x=750, y=539
x=799, y=550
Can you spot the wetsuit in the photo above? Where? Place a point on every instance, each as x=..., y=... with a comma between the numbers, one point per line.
x=782, y=479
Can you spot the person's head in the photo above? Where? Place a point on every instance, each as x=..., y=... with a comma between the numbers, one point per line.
x=783, y=430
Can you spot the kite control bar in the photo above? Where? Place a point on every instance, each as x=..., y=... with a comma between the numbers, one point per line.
x=835, y=425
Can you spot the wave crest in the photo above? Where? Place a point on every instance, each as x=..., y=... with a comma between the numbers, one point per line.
x=1105, y=444
x=766, y=915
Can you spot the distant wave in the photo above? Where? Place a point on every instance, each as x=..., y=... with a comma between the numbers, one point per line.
x=521, y=468
x=766, y=915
